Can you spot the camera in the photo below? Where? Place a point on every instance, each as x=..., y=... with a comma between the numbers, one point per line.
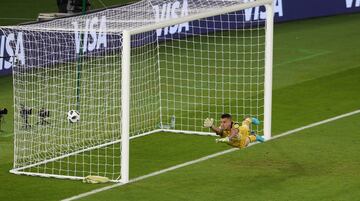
x=3, y=111
x=43, y=114
x=25, y=113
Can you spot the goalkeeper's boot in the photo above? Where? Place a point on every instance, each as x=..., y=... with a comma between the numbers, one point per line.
x=255, y=121
x=259, y=138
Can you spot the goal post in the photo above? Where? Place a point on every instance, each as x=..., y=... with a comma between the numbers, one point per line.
x=148, y=67
x=125, y=103
x=269, y=33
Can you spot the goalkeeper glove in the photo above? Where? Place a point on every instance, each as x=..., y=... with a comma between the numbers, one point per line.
x=225, y=140
x=208, y=122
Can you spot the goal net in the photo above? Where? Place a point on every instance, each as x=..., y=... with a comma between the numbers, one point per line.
x=85, y=85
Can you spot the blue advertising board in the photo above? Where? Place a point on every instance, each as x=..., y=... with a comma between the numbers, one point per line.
x=285, y=10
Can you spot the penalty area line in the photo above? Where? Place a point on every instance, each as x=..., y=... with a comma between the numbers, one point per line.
x=208, y=157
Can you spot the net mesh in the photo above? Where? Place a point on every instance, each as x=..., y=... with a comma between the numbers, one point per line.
x=179, y=75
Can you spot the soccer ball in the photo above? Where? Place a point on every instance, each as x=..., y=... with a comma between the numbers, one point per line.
x=73, y=116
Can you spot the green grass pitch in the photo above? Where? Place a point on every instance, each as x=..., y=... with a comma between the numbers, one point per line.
x=316, y=76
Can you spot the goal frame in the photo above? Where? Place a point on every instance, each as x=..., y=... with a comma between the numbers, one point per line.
x=125, y=88
x=126, y=62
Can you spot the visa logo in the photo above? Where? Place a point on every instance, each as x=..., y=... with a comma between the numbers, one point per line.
x=92, y=38
x=7, y=52
x=171, y=11
x=352, y=3
x=256, y=13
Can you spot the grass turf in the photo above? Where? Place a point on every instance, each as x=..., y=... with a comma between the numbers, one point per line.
x=316, y=76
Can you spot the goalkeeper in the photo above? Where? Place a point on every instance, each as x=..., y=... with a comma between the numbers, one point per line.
x=233, y=133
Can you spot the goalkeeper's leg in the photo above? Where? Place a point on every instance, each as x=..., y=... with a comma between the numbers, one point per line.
x=254, y=138
x=247, y=121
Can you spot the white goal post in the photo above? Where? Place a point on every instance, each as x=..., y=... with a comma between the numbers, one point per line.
x=149, y=67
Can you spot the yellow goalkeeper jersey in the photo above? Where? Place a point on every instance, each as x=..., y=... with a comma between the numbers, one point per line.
x=244, y=133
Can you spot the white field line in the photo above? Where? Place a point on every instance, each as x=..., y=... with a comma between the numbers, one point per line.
x=209, y=157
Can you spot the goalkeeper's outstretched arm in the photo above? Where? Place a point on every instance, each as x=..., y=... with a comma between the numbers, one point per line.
x=209, y=123
x=217, y=130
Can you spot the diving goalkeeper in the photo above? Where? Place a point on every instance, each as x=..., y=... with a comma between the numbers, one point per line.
x=233, y=133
